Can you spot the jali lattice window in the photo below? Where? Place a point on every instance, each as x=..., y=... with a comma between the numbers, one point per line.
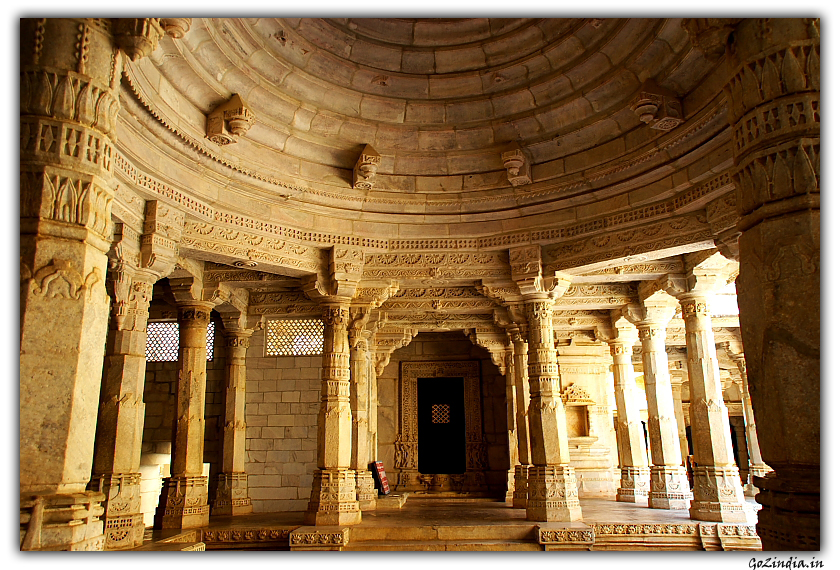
x=440, y=414
x=162, y=341
x=294, y=337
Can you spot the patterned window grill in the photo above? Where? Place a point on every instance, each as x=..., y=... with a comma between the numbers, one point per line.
x=440, y=414
x=294, y=337
x=162, y=341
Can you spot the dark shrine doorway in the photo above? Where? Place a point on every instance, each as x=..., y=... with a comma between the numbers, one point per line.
x=441, y=426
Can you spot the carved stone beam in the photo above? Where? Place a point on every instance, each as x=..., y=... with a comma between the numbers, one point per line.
x=518, y=165
x=137, y=37
x=162, y=229
x=364, y=172
x=495, y=343
x=656, y=308
x=503, y=293
x=710, y=35
x=373, y=295
x=527, y=272
x=227, y=298
x=229, y=121
x=657, y=107
x=187, y=282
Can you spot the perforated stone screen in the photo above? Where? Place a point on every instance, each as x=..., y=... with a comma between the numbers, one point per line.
x=162, y=341
x=294, y=337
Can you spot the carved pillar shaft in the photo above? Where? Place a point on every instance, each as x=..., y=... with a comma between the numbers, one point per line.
x=635, y=471
x=523, y=396
x=757, y=466
x=184, y=495
x=774, y=102
x=718, y=494
x=232, y=488
x=510, y=408
x=119, y=430
x=69, y=76
x=360, y=407
x=333, y=499
x=552, y=486
x=669, y=487
x=676, y=391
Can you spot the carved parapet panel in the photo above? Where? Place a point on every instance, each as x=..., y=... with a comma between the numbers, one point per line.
x=229, y=121
x=658, y=108
x=517, y=164
x=137, y=37
x=574, y=395
x=364, y=172
x=62, y=522
x=313, y=538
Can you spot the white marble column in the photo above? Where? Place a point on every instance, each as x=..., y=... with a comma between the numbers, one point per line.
x=635, y=470
x=552, y=486
x=510, y=417
x=232, y=484
x=333, y=500
x=757, y=466
x=718, y=493
x=184, y=495
x=360, y=380
x=523, y=396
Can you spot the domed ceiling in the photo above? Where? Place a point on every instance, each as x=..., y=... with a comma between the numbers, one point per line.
x=440, y=100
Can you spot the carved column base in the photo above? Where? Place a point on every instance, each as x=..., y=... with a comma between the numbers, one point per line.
x=62, y=522
x=790, y=514
x=409, y=480
x=750, y=490
x=635, y=485
x=232, y=495
x=183, y=503
x=552, y=494
x=123, y=518
x=520, y=487
x=333, y=499
x=669, y=488
x=511, y=485
x=718, y=495
x=366, y=491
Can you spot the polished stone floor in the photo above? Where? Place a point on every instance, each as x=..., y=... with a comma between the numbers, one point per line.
x=422, y=510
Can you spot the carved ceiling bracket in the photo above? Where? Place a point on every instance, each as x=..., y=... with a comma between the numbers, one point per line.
x=137, y=37
x=229, y=121
x=657, y=107
x=518, y=165
x=364, y=173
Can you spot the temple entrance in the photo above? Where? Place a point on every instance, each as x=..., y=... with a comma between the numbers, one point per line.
x=441, y=426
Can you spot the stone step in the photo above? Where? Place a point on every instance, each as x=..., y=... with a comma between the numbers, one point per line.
x=443, y=533
x=445, y=545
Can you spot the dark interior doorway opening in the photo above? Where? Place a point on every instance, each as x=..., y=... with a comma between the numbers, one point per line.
x=441, y=426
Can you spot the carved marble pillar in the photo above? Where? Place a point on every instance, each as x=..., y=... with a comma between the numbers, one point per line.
x=510, y=416
x=119, y=430
x=183, y=502
x=333, y=499
x=635, y=470
x=69, y=79
x=718, y=494
x=757, y=466
x=774, y=103
x=676, y=390
x=552, y=486
x=669, y=487
x=520, y=372
x=360, y=459
x=742, y=457
x=231, y=496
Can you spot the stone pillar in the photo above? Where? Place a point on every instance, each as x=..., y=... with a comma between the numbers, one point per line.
x=635, y=470
x=183, y=501
x=520, y=374
x=119, y=430
x=69, y=80
x=333, y=499
x=232, y=489
x=669, y=487
x=676, y=391
x=510, y=408
x=718, y=493
x=360, y=459
x=774, y=109
x=552, y=486
x=757, y=466
x=742, y=457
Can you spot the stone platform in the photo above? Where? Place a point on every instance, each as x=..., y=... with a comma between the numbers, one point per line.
x=453, y=524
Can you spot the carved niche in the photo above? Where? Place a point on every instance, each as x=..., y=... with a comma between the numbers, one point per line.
x=408, y=476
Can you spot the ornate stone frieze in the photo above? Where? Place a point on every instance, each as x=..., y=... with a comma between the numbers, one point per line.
x=229, y=121
x=574, y=395
x=435, y=265
x=240, y=535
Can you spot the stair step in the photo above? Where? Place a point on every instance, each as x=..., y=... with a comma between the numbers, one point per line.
x=443, y=533
x=444, y=545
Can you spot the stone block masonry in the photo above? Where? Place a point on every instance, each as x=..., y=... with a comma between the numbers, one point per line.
x=281, y=412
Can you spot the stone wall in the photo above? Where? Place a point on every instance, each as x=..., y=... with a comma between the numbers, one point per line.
x=447, y=346
x=281, y=412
